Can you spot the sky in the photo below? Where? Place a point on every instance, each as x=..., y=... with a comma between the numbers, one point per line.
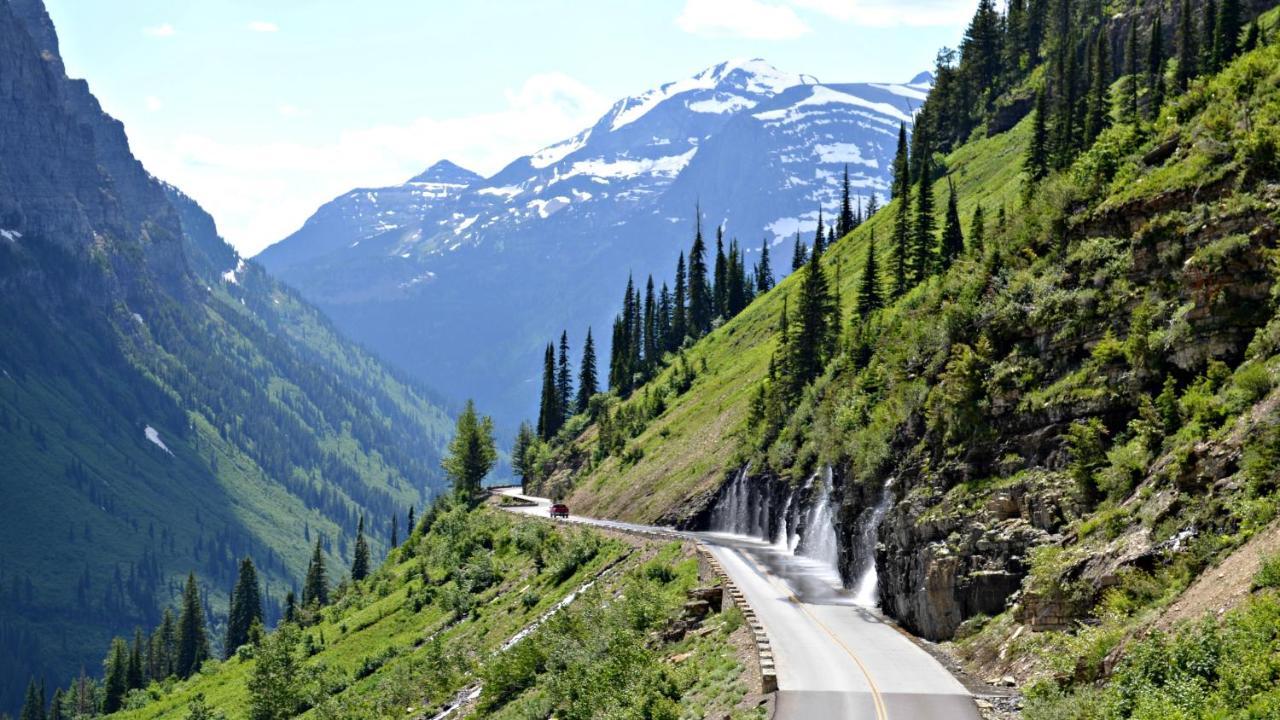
x=262, y=110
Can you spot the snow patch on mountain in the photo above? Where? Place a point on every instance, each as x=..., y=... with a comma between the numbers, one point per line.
x=507, y=192
x=12, y=236
x=758, y=77
x=844, y=153
x=721, y=104
x=822, y=95
x=669, y=166
x=553, y=154
x=232, y=275
x=154, y=436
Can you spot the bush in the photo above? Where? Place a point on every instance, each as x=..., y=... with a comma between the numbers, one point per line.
x=1268, y=576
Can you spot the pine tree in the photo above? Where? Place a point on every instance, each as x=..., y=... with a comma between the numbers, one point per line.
x=720, y=288
x=764, y=273
x=395, y=530
x=472, y=452
x=814, y=311
x=819, y=238
x=873, y=206
x=1099, y=104
x=1131, y=74
x=56, y=706
x=977, y=232
x=664, y=319
x=952, y=242
x=1187, y=54
x=1252, y=38
x=564, y=381
x=700, y=301
x=246, y=600
x=1208, y=37
x=923, y=226
x=901, y=166
x=845, y=224
x=735, y=276
x=193, y=642
x=1037, y=160
x=315, y=588
x=290, y=607
x=651, y=350
x=164, y=648
x=136, y=676
x=115, y=684
x=359, y=559
x=799, y=255
x=32, y=706
x=679, y=308
x=588, y=385
x=521, y=460
x=980, y=50
x=409, y=526
x=549, y=407
x=870, y=297
x=1155, y=69
x=1226, y=42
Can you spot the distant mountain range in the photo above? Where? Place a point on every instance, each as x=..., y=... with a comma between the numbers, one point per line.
x=461, y=280
x=165, y=406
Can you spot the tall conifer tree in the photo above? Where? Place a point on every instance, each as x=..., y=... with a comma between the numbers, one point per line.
x=870, y=296
x=588, y=384
x=799, y=254
x=564, y=381
x=193, y=641
x=764, y=273
x=549, y=407
x=1155, y=69
x=1037, y=160
x=360, y=557
x=1099, y=105
x=951, y=244
x=720, y=286
x=845, y=224
x=1226, y=42
x=679, y=308
x=1188, y=56
x=700, y=301
x=1131, y=74
x=819, y=238
x=246, y=598
x=315, y=588
x=924, y=224
x=115, y=684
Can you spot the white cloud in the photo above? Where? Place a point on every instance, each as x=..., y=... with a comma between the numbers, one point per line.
x=741, y=18
x=261, y=192
x=889, y=13
x=263, y=26
x=162, y=30
x=153, y=103
x=289, y=111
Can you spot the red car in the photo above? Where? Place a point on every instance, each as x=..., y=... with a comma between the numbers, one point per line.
x=559, y=510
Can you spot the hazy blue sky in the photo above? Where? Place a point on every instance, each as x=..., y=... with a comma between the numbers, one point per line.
x=264, y=109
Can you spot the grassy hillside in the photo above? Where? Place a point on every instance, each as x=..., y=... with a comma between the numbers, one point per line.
x=436, y=623
x=684, y=453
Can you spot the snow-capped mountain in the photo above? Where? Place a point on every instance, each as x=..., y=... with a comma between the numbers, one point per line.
x=433, y=274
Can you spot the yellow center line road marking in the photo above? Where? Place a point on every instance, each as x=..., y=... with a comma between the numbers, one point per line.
x=882, y=712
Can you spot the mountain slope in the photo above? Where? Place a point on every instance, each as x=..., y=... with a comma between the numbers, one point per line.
x=1065, y=428
x=544, y=244
x=164, y=405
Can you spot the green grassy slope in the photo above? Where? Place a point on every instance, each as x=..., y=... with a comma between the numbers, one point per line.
x=686, y=451
x=433, y=621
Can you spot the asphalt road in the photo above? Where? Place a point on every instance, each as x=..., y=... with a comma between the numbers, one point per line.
x=835, y=658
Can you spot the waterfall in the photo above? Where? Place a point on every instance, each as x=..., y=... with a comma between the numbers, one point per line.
x=819, y=539
x=734, y=512
x=783, y=539
x=866, y=590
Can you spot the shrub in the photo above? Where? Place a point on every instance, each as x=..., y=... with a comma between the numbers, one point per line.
x=1268, y=576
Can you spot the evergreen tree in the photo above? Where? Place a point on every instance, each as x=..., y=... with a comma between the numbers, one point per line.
x=700, y=301
x=1226, y=42
x=814, y=310
x=800, y=255
x=522, y=461
x=164, y=648
x=395, y=530
x=652, y=353
x=115, y=684
x=923, y=225
x=870, y=297
x=980, y=51
x=735, y=276
x=1252, y=38
x=1037, y=160
x=1130, y=110
x=359, y=558
x=679, y=308
x=549, y=407
x=290, y=607
x=952, y=242
x=315, y=588
x=1099, y=105
x=56, y=711
x=845, y=224
x=764, y=273
x=193, y=642
x=977, y=232
x=472, y=452
x=564, y=382
x=588, y=385
x=901, y=166
x=720, y=288
x=32, y=705
x=819, y=238
x=873, y=206
x=409, y=526
x=1066, y=117
x=245, y=608
x=1187, y=54
x=664, y=319
x=1155, y=69
x=136, y=675
x=1208, y=37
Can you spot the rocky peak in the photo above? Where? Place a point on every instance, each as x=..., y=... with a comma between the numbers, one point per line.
x=446, y=172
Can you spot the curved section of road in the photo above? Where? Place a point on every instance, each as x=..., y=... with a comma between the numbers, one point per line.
x=835, y=658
